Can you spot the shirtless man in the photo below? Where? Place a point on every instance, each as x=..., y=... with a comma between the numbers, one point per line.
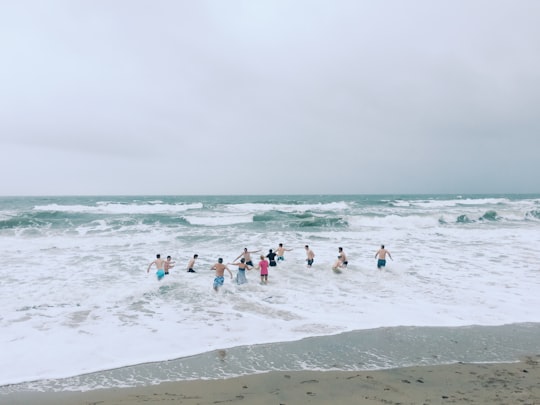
x=168, y=264
x=160, y=264
x=382, y=252
x=191, y=264
x=310, y=257
x=341, y=261
x=247, y=255
x=220, y=268
x=280, y=252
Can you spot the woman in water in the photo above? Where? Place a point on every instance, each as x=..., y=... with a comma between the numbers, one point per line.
x=241, y=275
x=263, y=267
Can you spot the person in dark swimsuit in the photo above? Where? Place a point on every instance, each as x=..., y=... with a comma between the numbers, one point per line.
x=247, y=255
x=168, y=264
x=191, y=264
x=271, y=258
x=341, y=261
x=310, y=256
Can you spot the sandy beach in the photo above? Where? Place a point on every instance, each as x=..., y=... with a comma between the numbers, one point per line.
x=494, y=383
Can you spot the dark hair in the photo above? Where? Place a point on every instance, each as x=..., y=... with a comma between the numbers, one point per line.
x=168, y=257
x=340, y=249
x=281, y=244
x=382, y=246
x=307, y=246
x=220, y=260
x=242, y=260
x=158, y=256
x=195, y=256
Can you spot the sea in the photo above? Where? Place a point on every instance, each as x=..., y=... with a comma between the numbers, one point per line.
x=79, y=309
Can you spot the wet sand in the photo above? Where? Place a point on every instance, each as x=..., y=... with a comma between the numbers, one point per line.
x=495, y=383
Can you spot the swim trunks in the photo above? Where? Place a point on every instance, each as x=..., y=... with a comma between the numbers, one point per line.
x=381, y=263
x=218, y=282
x=250, y=263
x=309, y=262
x=190, y=270
x=160, y=274
x=280, y=258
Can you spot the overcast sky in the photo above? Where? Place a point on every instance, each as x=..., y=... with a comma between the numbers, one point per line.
x=269, y=97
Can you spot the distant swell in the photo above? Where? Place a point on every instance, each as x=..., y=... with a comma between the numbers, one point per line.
x=490, y=216
x=463, y=219
x=301, y=220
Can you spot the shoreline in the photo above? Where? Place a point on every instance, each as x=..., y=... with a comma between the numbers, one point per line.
x=471, y=383
x=356, y=351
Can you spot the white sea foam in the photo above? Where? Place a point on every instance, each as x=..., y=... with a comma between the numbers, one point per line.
x=435, y=203
x=114, y=208
x=263, y=207
x=80, y=300
x=219, y=219
x=412, y=221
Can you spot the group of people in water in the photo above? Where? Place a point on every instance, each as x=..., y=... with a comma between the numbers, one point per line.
x=246, y=263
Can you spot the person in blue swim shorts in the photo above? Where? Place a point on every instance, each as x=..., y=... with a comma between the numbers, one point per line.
x=220, y=268
x=160, y=264
x=280, y=251
x=381, y=254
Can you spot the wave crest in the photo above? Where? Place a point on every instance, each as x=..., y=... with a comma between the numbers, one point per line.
x=490, y=216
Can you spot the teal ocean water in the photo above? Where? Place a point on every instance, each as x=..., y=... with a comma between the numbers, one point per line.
x=77, y=300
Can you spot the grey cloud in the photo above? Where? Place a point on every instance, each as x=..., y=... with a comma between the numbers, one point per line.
x=331, y=97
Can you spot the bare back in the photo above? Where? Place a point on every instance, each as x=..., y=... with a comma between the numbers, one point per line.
x=219, y=268
x=160, y=264
x=382, y=253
